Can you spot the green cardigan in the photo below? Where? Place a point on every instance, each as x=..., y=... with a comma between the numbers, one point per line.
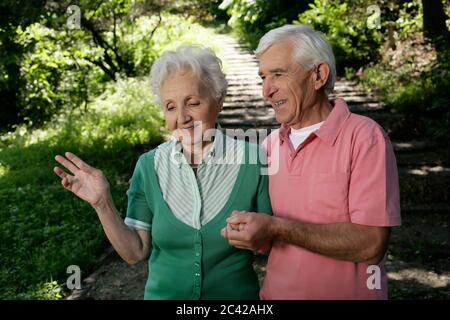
x=187, y=263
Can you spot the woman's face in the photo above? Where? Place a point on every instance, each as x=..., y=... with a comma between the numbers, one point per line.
x=189, y=108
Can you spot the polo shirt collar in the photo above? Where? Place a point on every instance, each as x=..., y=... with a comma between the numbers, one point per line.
x=330, y=129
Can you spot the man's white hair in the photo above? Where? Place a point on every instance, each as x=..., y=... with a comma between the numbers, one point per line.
x=201, y=61
x=311, y=48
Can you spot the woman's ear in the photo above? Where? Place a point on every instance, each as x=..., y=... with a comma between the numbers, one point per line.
x=322, y=73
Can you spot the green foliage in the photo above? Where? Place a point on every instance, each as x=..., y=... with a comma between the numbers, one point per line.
x=48, y=291
x=345, y=26
x=44, y=227
x=172, y=32
x=62, y=69
x=54, y=73
x=252, y=18
x=410, y=19
x=424, y=97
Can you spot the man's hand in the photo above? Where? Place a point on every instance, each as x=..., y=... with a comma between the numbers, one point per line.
x=248, y=230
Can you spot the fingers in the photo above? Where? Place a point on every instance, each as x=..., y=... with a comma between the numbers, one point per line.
x=67, y=164
x=59, y=172
x=224, y=233
x=234, y=232
x=237, y=227
x=66, y=183
x=78, y=162
x=238, y=217
x=235, y=237
x=66, y=179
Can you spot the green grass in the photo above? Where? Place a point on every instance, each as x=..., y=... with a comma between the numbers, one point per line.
x=45, y=228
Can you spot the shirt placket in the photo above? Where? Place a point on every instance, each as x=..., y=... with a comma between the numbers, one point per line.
x=189, y=175
x=296, y=158
x=197, y=268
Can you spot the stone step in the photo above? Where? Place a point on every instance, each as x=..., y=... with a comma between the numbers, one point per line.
x=240, y=91
x=416, y=146
x=245, y=105
x=244, y=102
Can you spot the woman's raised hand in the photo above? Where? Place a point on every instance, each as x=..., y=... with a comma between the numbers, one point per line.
x=84, y=181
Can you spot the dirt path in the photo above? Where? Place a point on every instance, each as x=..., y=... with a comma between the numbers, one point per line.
x=419, y=254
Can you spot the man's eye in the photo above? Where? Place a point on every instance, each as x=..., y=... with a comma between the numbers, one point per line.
x=192, y=104
x=170, y=108
x=278, y=74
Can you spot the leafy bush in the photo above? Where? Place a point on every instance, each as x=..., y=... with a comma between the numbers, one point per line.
x=252, y=18
x=345, y=26
x=424, y=98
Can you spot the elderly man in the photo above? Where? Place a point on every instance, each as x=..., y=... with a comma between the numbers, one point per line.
x=333, y=185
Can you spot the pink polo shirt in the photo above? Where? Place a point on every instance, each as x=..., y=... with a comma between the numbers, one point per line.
x=344, y=172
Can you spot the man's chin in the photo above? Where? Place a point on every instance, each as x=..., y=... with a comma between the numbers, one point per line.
x=280, y=119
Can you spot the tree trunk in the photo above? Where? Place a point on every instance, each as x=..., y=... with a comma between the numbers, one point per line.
x=434, y=17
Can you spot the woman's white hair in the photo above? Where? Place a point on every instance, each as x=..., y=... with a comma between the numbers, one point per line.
x=311, y=48
x=201, y=61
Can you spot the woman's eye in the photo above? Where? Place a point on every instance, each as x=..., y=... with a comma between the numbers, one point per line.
x=194, y=104
x=170, y=108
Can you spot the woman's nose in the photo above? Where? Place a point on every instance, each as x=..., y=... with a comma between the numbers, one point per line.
x=183, y=116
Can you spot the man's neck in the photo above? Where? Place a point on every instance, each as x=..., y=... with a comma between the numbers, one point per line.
x=317, y=113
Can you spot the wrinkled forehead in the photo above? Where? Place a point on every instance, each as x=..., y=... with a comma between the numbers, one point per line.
x=182, y=82
x=278, y=56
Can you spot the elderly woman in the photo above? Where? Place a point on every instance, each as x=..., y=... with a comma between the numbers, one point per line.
x=183, y=191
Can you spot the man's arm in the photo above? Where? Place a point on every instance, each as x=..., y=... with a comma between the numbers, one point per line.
x=343, y=241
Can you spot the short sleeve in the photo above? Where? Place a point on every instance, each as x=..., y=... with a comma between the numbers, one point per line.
x=139, y=215
x=373, y=188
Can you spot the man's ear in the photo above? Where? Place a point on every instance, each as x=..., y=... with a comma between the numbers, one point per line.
x=220, y=104
x=321, y=75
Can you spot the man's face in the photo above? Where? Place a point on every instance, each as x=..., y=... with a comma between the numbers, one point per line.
x=287, y=86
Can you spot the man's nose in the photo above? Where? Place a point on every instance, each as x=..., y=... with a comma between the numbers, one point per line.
x=268, y=88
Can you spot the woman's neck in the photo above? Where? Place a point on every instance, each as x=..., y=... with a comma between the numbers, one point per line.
x=195, y=153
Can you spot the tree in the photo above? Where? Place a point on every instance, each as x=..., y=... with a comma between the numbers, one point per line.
x=13, y=14
x=54, y=67
x=434, y=27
